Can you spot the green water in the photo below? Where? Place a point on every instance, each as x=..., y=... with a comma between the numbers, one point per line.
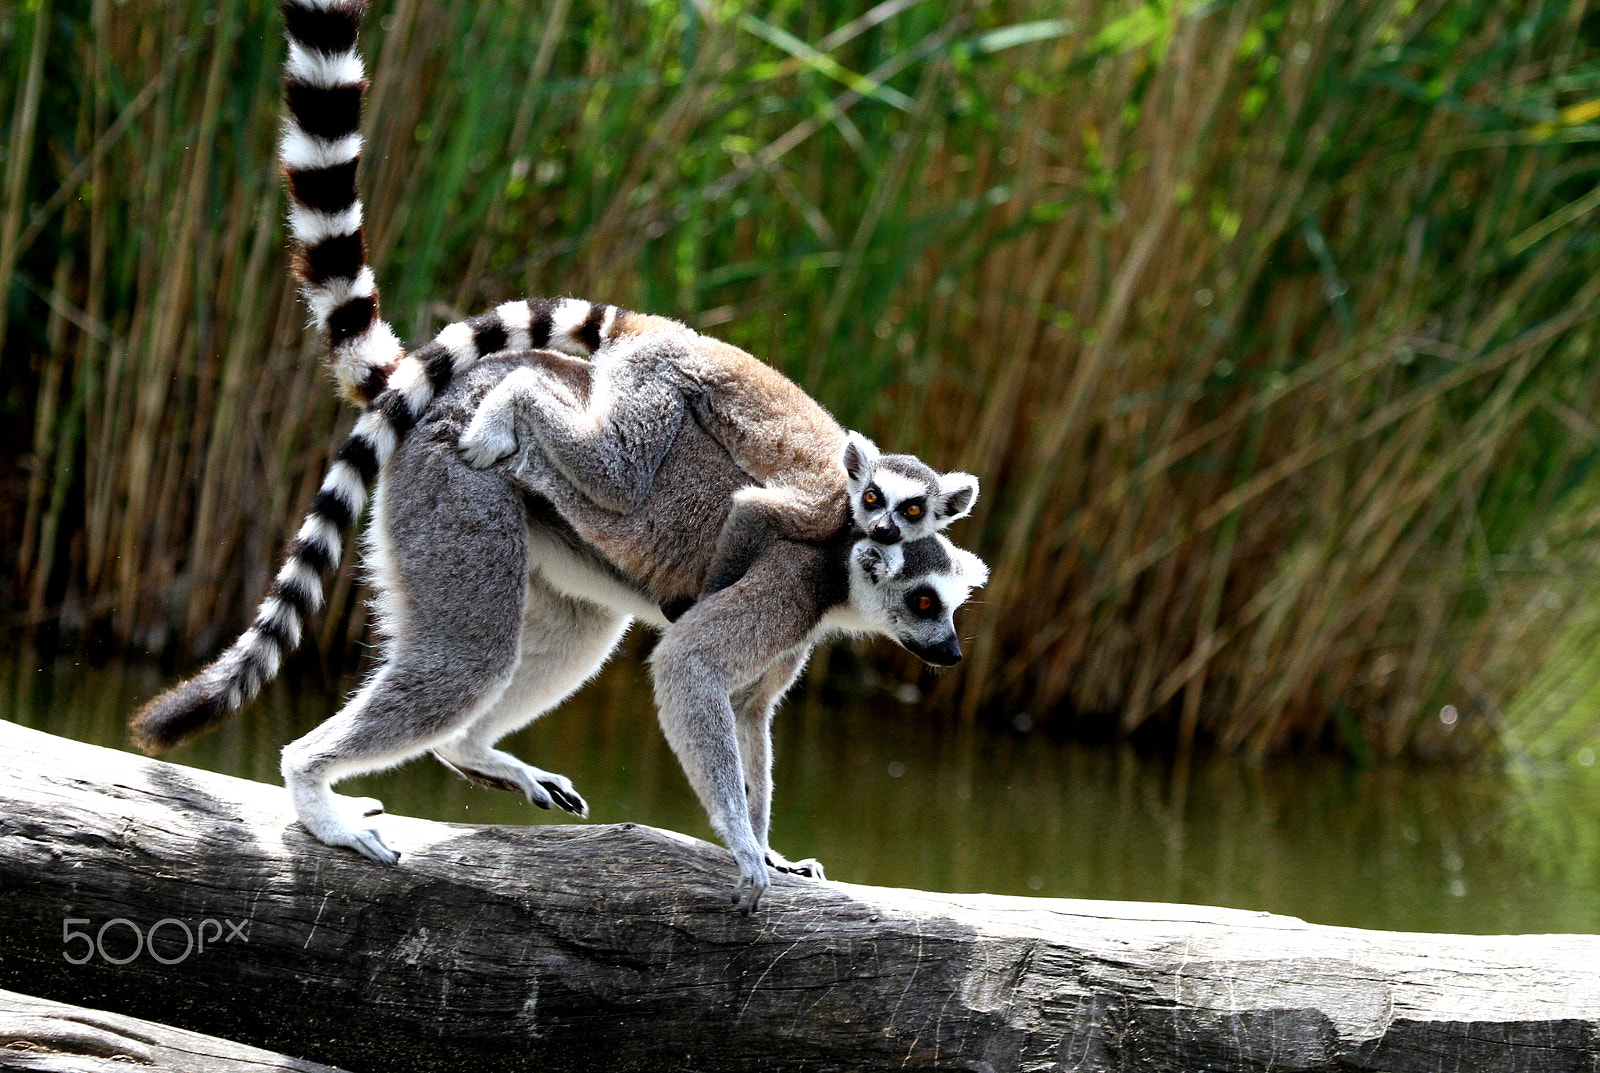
x=882, y=792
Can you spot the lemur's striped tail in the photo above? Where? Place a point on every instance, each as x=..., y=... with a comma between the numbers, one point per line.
x=323, y=83
x=570, y=325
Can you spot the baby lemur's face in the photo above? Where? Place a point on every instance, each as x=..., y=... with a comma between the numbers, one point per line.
x=896, y=498
x=910, y=592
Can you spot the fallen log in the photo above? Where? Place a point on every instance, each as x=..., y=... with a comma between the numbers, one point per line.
x=53, y=1037
x=195, y=899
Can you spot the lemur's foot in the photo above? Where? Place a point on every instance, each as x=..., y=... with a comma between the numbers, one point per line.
x=753, y=883
x=482, y=445
x=370, y=844
x=502, y=771
x=335, y=820
x=811, y=868
x=492, y=433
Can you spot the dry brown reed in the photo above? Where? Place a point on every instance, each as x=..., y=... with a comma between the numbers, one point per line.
x=1267, y=325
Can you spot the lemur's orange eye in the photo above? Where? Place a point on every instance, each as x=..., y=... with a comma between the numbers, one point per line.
x=925, y=603
x=913, y=511
x=870, y=499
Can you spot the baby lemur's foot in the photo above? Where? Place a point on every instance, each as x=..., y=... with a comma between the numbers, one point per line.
x=501, y=771
x=492, y=434
x=811, y=868
x=485, y=443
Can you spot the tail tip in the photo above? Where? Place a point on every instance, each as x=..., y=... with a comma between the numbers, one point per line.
x=182, y=712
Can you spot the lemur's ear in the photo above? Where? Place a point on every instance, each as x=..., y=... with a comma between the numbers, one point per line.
x=958, y=493
x=974, y=571
x=860, y=458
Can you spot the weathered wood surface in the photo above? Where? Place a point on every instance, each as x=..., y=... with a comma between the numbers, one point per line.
x=614, y=948
x=54, y=1037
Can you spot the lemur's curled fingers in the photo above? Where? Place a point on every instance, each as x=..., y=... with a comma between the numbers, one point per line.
x=810, y=868
x=566, y=798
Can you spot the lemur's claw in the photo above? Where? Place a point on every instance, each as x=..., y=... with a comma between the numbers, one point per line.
x=370, y=844
x=566, y=798
x=810, y=868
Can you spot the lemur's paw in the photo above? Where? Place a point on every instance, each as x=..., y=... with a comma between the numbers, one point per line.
x=562, y=795
x=365, y=841
x=753, y=883
x=811, y=868
x=483, y=447
x=501, y=771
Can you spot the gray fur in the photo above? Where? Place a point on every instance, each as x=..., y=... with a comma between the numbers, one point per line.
x=502, y=590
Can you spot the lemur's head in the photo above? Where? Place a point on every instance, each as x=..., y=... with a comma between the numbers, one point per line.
x=910, y=592
x=896, y=498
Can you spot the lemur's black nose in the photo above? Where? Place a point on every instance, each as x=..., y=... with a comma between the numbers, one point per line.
x=943, y=653
x=885, y=532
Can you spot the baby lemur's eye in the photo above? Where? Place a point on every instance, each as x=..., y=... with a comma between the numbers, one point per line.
x=925, y=603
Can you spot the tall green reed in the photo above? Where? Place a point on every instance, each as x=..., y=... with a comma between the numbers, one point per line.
x=1267, y=325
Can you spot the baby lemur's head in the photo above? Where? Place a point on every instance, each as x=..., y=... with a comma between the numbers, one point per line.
x=910, y=592
x=895, y=498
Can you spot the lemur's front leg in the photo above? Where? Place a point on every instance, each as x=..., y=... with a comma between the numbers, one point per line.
x=609, y=448
x=753, y=708
x=725, y=645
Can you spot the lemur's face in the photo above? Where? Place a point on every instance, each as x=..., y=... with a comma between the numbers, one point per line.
x=910, y=592
x=896, y=498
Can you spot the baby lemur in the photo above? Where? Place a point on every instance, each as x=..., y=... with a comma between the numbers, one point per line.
x=652, y=373
x=651, y=367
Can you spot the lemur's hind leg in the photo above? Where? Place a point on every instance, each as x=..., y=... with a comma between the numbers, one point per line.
x=564, y=642
x=451, y=575
x=753, y=708
x=404, y=710
x=609, y=447
x=725, y=644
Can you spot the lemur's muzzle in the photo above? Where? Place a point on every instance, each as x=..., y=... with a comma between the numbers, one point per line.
x=946, y=653
x=884, y=531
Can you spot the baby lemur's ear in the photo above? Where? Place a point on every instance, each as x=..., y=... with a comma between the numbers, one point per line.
x=860, y=458
x=958, y=493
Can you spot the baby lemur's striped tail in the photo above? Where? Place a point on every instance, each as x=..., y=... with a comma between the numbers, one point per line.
x=323, y=83
x=570, y=325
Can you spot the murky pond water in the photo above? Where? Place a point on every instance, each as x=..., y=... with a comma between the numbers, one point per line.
x=881, y=792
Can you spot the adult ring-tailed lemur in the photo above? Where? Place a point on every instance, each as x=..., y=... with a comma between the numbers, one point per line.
x=567, y=573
